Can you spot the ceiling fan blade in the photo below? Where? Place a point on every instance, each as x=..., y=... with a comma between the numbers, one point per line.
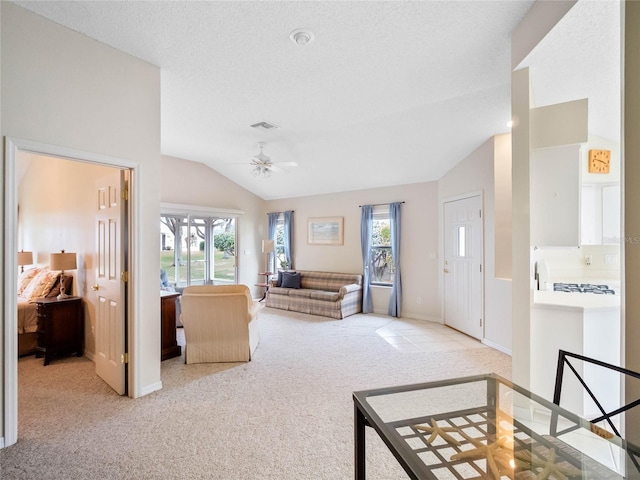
x=286, y=164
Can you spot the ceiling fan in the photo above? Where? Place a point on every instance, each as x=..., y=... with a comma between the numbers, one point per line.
x=264, y=167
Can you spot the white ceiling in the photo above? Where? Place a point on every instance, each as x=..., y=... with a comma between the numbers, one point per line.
x=387, y=93
x=580, y=58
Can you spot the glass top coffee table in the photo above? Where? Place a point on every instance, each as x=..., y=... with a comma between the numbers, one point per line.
x=486, y=427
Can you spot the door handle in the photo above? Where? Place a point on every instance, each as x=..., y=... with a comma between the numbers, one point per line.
x=95, y=287
x=446, y=270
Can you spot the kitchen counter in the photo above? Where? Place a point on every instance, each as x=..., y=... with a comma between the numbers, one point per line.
x=575, y=301
x=582, y=323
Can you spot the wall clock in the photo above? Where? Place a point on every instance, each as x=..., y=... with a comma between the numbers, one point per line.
x=599, y=161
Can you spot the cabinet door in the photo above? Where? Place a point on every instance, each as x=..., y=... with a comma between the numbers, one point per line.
x=611, y=214
x=555, y=196
x=591, y=212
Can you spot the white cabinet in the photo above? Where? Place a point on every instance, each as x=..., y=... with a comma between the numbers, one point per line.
x=600, y=214
x=555, y=196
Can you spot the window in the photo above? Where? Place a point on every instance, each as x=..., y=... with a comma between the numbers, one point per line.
x=198, y=248
x=279, y=245
x=382, y=265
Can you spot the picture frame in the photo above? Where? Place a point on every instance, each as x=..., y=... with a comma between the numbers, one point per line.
x=325, y=231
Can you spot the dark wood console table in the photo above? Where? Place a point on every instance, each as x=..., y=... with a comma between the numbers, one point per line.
x=169, y=344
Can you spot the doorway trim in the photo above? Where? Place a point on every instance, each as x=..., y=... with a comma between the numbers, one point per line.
x=12, y=147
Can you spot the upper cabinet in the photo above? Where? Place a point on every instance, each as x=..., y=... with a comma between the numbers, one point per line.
x=555, y=196
x=600, y=214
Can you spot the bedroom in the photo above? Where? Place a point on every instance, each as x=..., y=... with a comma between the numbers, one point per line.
x=56, y=211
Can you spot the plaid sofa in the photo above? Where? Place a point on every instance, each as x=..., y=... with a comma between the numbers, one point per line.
x=335, y=295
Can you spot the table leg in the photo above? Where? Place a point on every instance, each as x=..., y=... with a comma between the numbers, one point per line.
x=359, y=444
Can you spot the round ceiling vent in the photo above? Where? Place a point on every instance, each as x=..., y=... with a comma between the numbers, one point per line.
x=301, y=36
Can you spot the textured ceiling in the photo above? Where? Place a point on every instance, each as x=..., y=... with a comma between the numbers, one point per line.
x=580, y=58
x=387, y=93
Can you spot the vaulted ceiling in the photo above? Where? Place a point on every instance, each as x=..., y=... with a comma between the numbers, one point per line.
x=386, y=93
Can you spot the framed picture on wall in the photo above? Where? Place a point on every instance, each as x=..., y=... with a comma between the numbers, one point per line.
x=326, y=231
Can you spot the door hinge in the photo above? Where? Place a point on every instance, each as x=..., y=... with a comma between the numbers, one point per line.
x=124, y=276
x=480, y=268
x=124, y=358
x=480, y=322
x=480, y=213
x=125, y=194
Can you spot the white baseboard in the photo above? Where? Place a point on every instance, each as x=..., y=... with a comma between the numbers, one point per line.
x=154, y=387
x=1, y=442
x=497, y=346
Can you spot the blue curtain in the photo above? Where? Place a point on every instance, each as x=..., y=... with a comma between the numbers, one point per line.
x=273, y=229
x=288, y=238
x=395, y=302
x=366, y=225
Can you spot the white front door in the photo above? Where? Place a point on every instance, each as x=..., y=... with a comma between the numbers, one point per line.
x=463, y=254
x=109, y=287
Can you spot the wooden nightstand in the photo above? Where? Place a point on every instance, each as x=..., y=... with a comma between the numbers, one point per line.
x=60, y=327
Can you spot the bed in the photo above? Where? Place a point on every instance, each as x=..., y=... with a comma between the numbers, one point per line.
x=33, y=284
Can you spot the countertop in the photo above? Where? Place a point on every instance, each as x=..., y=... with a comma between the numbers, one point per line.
x=575, y=301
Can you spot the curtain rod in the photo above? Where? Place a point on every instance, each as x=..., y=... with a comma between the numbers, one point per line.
x=280, y=212
x=378, y=204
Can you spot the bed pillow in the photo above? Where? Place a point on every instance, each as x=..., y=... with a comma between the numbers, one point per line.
x=290, y=280
x=41, y=284
x=24, y=279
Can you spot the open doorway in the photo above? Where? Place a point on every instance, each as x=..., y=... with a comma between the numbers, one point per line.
x=51, y=200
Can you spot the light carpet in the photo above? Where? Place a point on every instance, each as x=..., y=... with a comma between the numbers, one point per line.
x=287, y=414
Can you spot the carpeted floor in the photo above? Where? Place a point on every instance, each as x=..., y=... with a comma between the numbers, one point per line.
x=287, y=414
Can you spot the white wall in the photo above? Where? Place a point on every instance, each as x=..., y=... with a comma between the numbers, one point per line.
x=192, y=183
x=473, y=174
x=61, y=88
x=419, y=241
x=56, y=201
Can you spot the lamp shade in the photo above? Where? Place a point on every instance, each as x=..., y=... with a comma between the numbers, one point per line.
x=62, y=261
x=25, y=258
x=268, y=246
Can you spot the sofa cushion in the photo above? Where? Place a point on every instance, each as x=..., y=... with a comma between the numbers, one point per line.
x=279, y=291
x=300, y=292
x=328, y=280
x=290, y=280
x=324, y=295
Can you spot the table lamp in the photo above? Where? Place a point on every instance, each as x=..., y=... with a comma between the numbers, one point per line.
x=268, y=247
x=24, y=258
x=62, y=261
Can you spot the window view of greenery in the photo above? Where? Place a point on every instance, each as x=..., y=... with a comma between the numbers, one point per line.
x=382, y=266
x=197, y=250
x=281, y=262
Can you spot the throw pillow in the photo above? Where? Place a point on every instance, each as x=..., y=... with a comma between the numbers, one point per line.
x=279, y=280
x=290, y=280
x=41, y=284
x=24, y=279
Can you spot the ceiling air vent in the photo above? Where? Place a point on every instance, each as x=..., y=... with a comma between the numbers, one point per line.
x=264, y=125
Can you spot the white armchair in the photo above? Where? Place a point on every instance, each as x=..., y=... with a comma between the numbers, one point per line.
x=220, y=323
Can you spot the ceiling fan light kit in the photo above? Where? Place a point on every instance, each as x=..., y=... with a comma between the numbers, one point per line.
x=261, y=171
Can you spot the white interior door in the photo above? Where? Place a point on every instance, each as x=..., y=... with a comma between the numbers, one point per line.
x=463, y=254
x=109, y=287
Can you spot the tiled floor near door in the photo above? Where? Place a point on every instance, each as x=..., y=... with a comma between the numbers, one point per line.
x=411, y=336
